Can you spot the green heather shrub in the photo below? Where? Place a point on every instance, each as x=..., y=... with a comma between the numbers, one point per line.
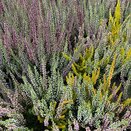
x=86, y=102
x=65, y=65
x=49, y=24
x=43, y=27
x=11, y=117
x=92, y=59
x=98, y=90
x=85, y=60
x=115, y=25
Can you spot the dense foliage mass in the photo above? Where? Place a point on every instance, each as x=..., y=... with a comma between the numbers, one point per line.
x=65, y=65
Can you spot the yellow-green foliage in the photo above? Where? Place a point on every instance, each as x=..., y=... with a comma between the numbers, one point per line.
x=111, y=70
x=94, y=77
x=125, y=55
x=127, y=102
x=95, y=85
x=128, y=55
x=70, y=79
x=79, y=67
x=114, y=24
x=97, y=80
x=100, y=97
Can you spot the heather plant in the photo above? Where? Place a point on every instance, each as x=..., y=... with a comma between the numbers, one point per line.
x=92, y=59
x=42, y=26
x=93, y=112
x=48, y=96
x=86, y=102
x=51, y=23
x=92, y=89
x=101, y=55
x=11, y=117
x=115, y=25
x=68, y=63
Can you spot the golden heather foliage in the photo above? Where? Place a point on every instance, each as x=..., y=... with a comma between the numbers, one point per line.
x=114, y=24
x=111, y=70
x=95, y=75
x=70, y=79
x=117, y=13
x=128, y=55
x=127, y=102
